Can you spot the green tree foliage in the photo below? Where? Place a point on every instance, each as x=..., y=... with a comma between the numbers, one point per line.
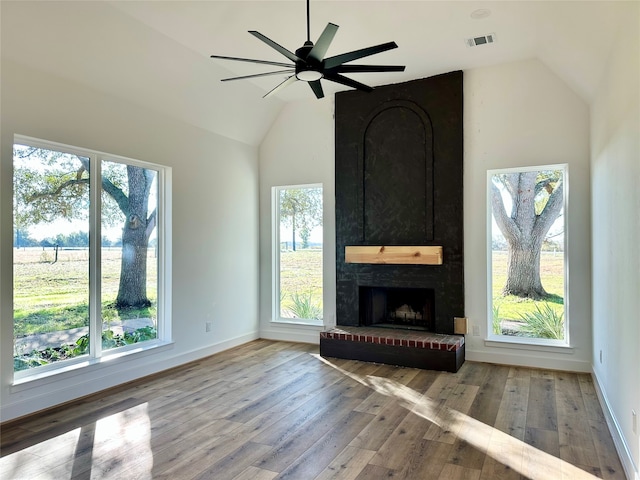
x=536, y=202
x=48, y=185
x=75, y=239
x=22, y=239
x=301, y=209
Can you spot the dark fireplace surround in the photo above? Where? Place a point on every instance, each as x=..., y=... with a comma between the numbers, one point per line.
x=399, y=155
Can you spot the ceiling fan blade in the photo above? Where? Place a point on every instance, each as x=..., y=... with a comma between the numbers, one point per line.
x=317, y=88
x=326, y=37
x=258, y=75
x=250, y=60
x=332, y=62
x=368, y=68
x=280, y=86
x=336, y=77
x=290, y=55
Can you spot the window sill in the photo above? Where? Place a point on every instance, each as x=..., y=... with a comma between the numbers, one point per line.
x=38, y=378
x=533, y=344
x=299, y=321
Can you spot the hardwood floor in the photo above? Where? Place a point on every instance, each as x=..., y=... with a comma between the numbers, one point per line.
x=271, y=410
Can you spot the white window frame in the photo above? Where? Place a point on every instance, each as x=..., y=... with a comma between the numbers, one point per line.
x=275, y=222
x=493, y=339
x=164, y=331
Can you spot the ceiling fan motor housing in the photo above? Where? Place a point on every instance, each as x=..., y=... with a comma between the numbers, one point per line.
x=307, y=69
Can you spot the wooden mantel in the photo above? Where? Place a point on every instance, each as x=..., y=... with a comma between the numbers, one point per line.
x=397, y=255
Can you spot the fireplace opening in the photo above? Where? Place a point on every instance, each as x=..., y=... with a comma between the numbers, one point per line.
x=393, y=307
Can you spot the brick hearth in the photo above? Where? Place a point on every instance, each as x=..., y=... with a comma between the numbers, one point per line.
x=406, y=348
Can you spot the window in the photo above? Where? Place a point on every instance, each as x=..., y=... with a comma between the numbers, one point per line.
x=297, y=253
x=89, y=255
x=527, y=255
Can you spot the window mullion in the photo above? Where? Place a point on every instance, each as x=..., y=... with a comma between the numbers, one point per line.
x=164, y=329
x=276, y=253
x=95, y=235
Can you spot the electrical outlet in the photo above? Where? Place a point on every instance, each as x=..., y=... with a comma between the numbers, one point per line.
x=476, y=330
x=600, y=356
x=634, y=421
x=207, y=327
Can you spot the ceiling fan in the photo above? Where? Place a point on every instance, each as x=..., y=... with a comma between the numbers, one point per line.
x=309, y=64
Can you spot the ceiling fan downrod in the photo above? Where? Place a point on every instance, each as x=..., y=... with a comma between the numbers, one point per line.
x=308, y=23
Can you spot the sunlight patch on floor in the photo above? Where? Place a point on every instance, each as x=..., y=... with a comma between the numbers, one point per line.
x=121, y=442
x=509, y=451
x=32, y=461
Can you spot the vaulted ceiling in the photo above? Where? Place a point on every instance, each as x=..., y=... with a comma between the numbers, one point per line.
x=156, y=53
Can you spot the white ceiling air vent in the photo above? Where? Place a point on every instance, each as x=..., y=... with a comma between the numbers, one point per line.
x=481, y=40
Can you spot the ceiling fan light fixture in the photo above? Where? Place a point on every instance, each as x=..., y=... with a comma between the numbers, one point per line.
x=309, y=75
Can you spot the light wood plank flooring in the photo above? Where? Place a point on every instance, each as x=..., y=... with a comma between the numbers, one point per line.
x=271, y=410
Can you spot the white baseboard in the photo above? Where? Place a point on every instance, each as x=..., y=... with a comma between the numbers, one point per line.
x=199, y=353
x=523, y=360
x=71, y=386
x=292, y=334
x=630, y=468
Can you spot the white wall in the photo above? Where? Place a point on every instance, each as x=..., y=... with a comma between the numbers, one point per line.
x=215, y=224
x=521, y=114
x=615, y=181
x=515, y=115
x=298, y=149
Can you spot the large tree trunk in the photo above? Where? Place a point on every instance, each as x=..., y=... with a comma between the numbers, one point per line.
x=523, y=270
x=293, y=228
x=525, y=230
x=132, y=291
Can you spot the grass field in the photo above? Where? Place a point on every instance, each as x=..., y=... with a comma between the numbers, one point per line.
x=49, y=297
x=54, y=296
x=301, y=275
x=511, y=308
